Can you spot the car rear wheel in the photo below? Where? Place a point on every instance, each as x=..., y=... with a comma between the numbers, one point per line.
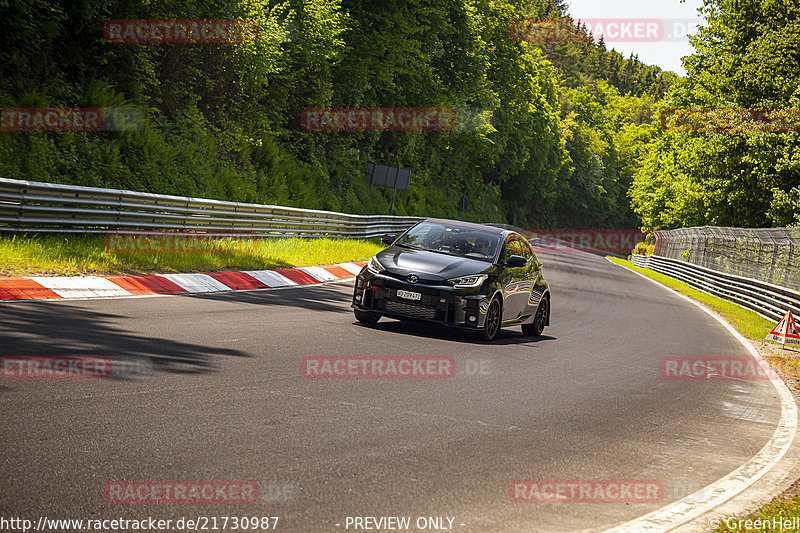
x=366, y=317
x=535, y=328
x=491, y=326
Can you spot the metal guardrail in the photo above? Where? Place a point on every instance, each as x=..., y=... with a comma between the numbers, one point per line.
x=55, y=208
x=768, y=300
x=771, y=255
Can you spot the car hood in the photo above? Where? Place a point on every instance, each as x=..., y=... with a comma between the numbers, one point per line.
x=405, y=261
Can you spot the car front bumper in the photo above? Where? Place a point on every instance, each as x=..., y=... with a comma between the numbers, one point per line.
x=442, y=304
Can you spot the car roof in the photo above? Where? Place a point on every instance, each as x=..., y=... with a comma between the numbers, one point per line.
x=470, y=225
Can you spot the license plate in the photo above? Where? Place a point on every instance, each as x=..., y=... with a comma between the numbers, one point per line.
x=407, y=295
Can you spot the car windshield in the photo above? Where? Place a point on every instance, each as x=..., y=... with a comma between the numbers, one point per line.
x=452, y=240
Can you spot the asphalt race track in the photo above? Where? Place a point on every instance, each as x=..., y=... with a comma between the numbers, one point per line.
x=219, y=395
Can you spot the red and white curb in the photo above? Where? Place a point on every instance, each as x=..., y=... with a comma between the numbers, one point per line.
x=45, y=288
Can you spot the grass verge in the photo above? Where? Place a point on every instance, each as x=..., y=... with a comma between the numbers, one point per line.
x=73, y=255
x=787, y=505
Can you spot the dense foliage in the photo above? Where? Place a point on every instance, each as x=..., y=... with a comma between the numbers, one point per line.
x=747, y=56
x=570, y=121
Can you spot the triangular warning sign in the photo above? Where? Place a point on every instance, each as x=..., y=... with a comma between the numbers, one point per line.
x=778, y=330
x=785, y=331
x=791, y=330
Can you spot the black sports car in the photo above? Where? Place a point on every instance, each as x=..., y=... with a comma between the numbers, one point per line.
x=458, y=274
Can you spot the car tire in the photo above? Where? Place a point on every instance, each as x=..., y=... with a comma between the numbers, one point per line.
x=366, y=317
x=535, y=328
x=493, y=321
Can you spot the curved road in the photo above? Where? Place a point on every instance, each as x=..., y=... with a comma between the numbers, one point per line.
x=225, y=400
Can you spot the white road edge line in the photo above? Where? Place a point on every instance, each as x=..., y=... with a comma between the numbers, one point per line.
x=705, y=500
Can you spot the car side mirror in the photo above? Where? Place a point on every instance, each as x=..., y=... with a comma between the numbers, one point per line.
x=516, y=261
x=388, y=239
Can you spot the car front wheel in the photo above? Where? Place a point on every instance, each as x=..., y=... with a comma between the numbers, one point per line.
x=365, y=317
x=491, y=326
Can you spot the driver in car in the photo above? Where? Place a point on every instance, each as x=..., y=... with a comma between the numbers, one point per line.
x=482, y=246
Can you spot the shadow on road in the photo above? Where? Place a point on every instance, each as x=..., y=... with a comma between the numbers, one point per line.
x=43, y=329
x=332, y=298
x=432, y=331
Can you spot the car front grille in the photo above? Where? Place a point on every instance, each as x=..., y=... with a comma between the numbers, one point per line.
x=423, y=280
x=412, y=310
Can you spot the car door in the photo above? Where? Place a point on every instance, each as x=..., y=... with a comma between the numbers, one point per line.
x=516, y=291
x=536, y=280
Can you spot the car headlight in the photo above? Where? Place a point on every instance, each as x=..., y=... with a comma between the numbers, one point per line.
x=374, y=265
x=468, y=282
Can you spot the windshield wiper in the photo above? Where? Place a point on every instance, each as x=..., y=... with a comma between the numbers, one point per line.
x=451, y=254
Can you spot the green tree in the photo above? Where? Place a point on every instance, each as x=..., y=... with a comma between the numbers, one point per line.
x=746, y=56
